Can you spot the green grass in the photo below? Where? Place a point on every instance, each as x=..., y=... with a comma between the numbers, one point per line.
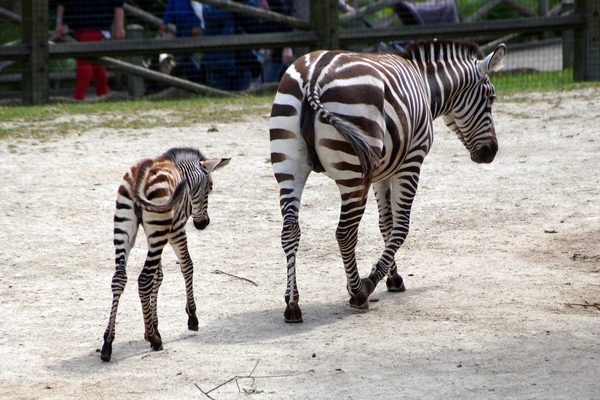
x=527, y=81
x=61, y=119
x=54, y=120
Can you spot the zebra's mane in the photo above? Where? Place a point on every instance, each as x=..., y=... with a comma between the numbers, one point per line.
x=181, y=155
x=431, y=50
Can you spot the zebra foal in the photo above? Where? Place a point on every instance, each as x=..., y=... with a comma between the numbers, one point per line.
x=367, y=119
x=160, y=194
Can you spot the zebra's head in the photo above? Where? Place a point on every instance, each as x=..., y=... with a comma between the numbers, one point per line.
x=470, y=114
x=201, y=188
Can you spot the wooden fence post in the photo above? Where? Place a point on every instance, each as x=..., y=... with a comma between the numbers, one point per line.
x=324, y=20
x=586, y=63
x=567, y=36
x=36, y=86
x=135, y=84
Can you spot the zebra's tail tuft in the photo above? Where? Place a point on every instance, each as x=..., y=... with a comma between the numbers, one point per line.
x=368, y=158
x=139, y=197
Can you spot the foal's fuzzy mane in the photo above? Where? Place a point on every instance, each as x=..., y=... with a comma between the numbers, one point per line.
x=462, y=50
x=180, y=155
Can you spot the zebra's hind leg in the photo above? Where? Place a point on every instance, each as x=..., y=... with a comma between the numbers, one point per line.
x=178, y=240
x=352, y=210
x=290, y=239
x=291, y=185
x=157, y=281
x=394, y=281
x=126, y=226
x=289, y=159
x=119, y=281
x=147, y=282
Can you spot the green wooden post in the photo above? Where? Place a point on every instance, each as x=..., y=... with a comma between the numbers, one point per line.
x=135, y=84
x=324, y=16
x=586, y=63
x=36, y=86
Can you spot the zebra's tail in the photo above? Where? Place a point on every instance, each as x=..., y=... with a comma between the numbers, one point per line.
x=139, y=197
x=368, y=158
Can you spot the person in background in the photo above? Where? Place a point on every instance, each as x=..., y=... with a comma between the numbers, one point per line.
x=88, y=19
x=229, y=70
x=187, y=22
x=276, y=61
x=345, y=7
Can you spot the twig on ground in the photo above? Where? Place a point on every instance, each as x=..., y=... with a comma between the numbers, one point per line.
x=218, y=271
x=586, y=305
x=238, y=377
x=235, y=378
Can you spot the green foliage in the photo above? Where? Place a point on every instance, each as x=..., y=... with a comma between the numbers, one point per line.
x=9, y=32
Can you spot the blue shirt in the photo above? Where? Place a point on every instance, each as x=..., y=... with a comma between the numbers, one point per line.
x=183, y=16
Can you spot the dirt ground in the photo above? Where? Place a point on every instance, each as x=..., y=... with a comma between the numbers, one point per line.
x=499, y=262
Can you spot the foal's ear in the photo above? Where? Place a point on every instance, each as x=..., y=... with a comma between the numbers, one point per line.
x=215, y=163
x=493, y=62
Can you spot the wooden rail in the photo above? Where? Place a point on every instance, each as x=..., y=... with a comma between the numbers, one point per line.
x=321, y=32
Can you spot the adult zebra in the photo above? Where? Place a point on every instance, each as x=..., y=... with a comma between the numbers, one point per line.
x=366, y=119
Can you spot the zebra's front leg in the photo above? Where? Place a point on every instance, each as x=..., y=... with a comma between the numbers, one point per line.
x=347, y=237
x=394, y=282
x=178, y=240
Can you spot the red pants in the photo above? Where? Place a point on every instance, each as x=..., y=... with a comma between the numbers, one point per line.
x=87, y=71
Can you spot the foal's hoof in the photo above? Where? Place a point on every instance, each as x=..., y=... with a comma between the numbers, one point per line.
x=106, y=352
x=193, y=323
x=292, y=313
x=361, y=299
x=395, y=283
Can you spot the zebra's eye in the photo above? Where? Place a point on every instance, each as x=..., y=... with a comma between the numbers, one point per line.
x=492, y=99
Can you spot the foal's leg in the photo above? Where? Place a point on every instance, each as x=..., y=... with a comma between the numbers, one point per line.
x=151, y=276
x=126, y=226
x=178, y=240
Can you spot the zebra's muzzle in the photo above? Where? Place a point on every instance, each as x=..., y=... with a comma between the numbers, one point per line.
x=486, y=153
x=201, y=223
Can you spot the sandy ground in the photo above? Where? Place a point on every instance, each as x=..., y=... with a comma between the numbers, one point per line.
x=498, y=262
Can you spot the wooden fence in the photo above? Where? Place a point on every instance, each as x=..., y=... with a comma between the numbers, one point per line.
x=582, y=26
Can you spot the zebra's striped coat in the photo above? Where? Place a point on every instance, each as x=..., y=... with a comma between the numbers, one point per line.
x=160, y=194
x=366, y=119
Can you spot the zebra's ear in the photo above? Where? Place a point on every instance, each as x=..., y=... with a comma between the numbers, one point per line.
x=493, y=62
x=215, y=163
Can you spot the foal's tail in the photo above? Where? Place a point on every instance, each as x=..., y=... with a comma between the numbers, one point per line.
x=143, y=182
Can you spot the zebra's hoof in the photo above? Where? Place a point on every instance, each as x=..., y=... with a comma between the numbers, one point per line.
x=193, y=323
x=361, y=299
x=395, y=283
x=106, y=352
x=292, y=313
x=155, y=342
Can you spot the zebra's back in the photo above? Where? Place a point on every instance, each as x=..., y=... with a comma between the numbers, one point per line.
x=380, y=94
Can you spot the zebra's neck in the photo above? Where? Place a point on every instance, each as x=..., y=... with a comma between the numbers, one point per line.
x=448, y=68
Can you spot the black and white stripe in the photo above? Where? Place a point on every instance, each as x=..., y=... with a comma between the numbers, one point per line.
x=160, y=194
x=366, y=119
